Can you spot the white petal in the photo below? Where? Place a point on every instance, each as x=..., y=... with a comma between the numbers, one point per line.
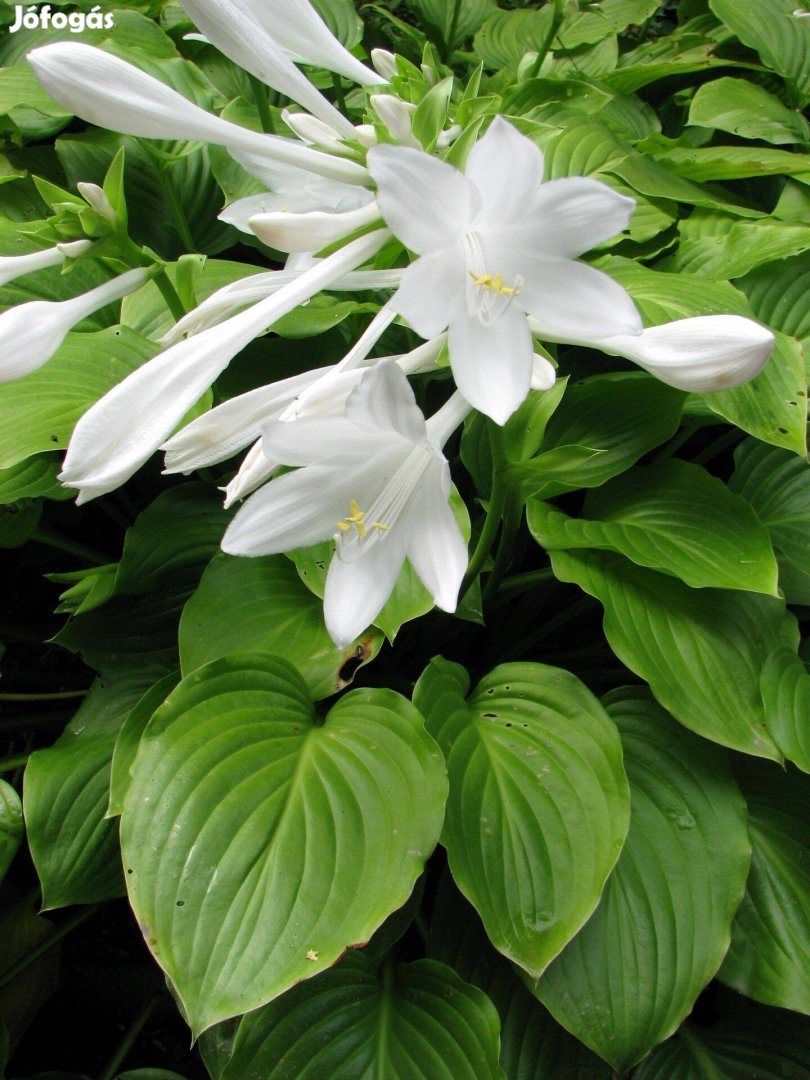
x=310, y=231
x=430, y=290
x=31, y=333
x=117, y=435
x=436, y=548
x=356, y=591
x=303, y=34
x=703, y=354
x=384, y=402
x=397, y=115
x=507, y=169
x=492, y=363
x=113, y=94
x=237, y=30
x=252, y=473
x=240, y=212
x=220, y=433
x=572, y=215
x=426, y=203
x=575, y=301
x=319, y=440
x=544, y=374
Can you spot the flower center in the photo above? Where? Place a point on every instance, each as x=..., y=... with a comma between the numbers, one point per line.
x=488, y=295
x=356, y=518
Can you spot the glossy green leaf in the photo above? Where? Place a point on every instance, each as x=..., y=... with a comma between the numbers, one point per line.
x=538, y=805
x=674, y=517
x=769, y=957
x=743, y=108
x=41, y=409
x=701, y=650
x=732, y=162
x=766, y=1044
x=662, y=927
x=342, y=19
x=777, y=485
x=509, y=35
x=33, y=478
x=533, y=1045
x=610, y=17
x=11, y=826
x=587, y=417
x=771, y=28
x=414, y=1021
x=263, y=604
x=73, y=844
x=580, y=149
x=249, y=823
x=129, y=738
x=785, y=688
x=724, y=247
x=453, y=27
x=777, y=294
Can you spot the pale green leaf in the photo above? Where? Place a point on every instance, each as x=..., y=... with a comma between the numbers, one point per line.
x=662, y=927
x=538, y=805
x=743, y=108
x=250, y=820
x=771, y=28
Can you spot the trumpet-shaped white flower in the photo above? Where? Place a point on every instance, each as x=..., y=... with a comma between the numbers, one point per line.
x=376, y=481
x=31, y=333
x=496, y=244
x=125, y=427
x=113, y=94
x=14, y=266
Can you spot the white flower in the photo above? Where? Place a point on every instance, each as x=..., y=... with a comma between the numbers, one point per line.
x=124, y=428
x=113, y=94
x=31, y=333
x=14, y=266
x=496, y=244
x=311, y=230
x=374, y=480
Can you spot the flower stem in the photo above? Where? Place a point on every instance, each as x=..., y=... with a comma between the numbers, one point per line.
x=519, y=582
x=262, y=105
x=128, y=1040
x=170, y=295
x=338, y=88
x=86, y=554
x=44, y=697
x=48, y=943
x=497, y=502
x=556, y=21
x=718, y=446
x=16, y=761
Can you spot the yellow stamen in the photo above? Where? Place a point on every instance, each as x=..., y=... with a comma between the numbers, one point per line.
x=356, y=518
x=493, y=282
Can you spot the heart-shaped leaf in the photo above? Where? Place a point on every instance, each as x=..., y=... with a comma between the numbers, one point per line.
x=249, y=823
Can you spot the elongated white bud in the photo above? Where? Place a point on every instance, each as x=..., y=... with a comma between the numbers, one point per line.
x=117, y=435
x=385, y=63
x=701, y=355
x=397, y=115
x=311, y=231
x=113, y=94
x=31, y=333
x=97, y=199
x=14, y=266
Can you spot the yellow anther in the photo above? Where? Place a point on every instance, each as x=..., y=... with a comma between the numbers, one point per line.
x=355, y=518
x=493, y=282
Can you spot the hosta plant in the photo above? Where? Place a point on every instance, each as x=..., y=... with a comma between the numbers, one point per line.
x=405, y=518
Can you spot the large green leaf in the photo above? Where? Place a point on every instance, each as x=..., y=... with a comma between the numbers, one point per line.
x=41, y=409
x=533, y=1045
x=662, y=927
x=74, y=846
x=769, y=958
x=701, y=650
x=777, y=294
x=777, y=485
x=250, y=821
x=414, y=1021
x=33, y=478
x=756, y=1044
x=674, y=517
x=453, y=22
x=724, y=247
x=263, y=604
x=129, y=738
x=588, y=417
x=732, y=162
x=508, y=35
x=743, y=108
x=772, y=29
x=11, y=825
x=538, y=805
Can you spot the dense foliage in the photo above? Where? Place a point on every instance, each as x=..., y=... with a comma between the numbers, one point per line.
x=557, y=833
